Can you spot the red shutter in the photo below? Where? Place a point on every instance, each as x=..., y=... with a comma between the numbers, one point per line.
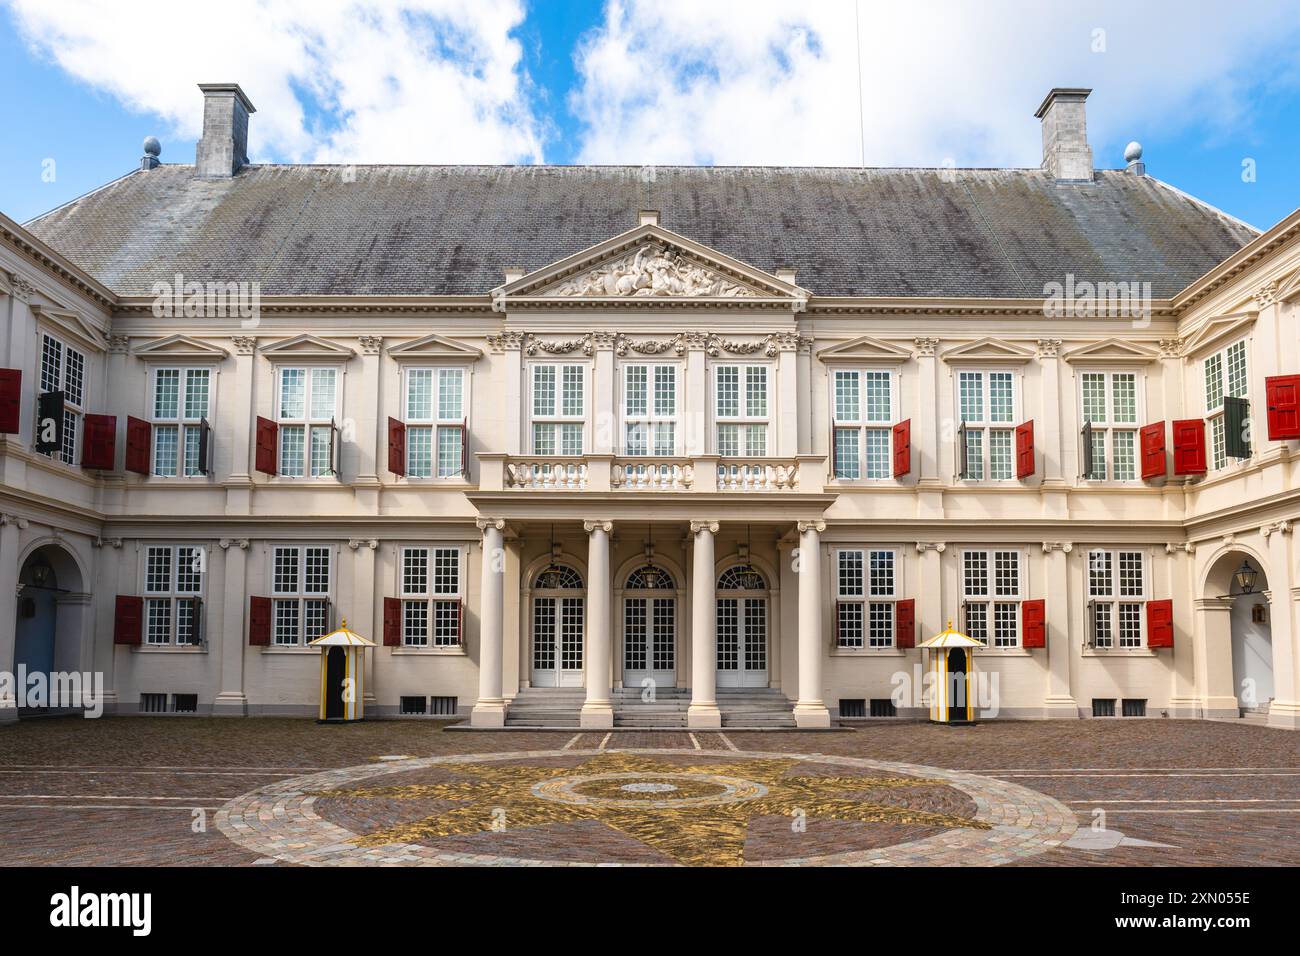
x=905, y=623
x=11, y=396
x=460, y=622
x=1152, y=440
x=128, y=619
x=396, y=447
x=267, y=439
x=139, y=436
x=903, y=449
x=1282, y=393
x=1033, y=623
x=99, y=442
x=1025, y=449
x=1160, y=623
x=259, y=621
x=392, y=620
x=1189, y=447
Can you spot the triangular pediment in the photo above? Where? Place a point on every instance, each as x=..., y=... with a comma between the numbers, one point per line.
x=865, y=349
x=649, y=264
x=1112, y=352
x=1216, y=332
x=178, y=347
x=988, y=350
x=306, y=346
x=71, y=323
x=1289, y=288
x=434, y=348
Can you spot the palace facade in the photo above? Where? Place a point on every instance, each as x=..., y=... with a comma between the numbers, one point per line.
x=651, y=446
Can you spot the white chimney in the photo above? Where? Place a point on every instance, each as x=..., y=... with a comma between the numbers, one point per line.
x=224, y=146
x=1066, y=154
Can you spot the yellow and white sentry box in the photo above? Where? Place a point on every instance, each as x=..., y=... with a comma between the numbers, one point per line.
x=342, y=674
x=952, y=699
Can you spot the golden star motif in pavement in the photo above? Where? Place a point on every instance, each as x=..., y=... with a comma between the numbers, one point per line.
x=698, y=815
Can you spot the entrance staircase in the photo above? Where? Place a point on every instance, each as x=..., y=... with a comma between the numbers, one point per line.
x=749, y=707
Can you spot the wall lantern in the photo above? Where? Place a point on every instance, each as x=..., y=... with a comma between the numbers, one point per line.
x=1245, y=577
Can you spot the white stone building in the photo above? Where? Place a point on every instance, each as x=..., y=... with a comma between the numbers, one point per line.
x=554, y=436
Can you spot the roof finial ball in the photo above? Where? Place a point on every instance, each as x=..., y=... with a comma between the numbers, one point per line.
x=1133, y=156
x=152, y=149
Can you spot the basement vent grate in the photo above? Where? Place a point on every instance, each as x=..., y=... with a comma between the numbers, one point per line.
x=883, y=707
x=1103, y=707
x=1134, y=708
x=853, y=707
x=443, y=706
x=414, y=705
x=153, y=703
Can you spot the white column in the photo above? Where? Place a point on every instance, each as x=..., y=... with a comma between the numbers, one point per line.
x=1285, y=709
x=810, y=709
x=231, y=700
x=490, y=710
x=926, y=424
x=703, y=712
x=243, y=427
x=9, y=526
x=598, y=711
x=787, y=390
x=1059, y=701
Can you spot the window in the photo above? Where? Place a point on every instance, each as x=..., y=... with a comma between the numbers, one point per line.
x=435, y=422
x=63, y=369
x=308, y=403
x=173, y=589
x=1109, y=401
x=991, y=595
x=559, y=400
x=432, y=605
x=180, y=409
x=650, y=410
x=1116, y=595
x=864, y=597
x=863, y=409
x=1225, y=377
x=300, y=588
x=740, y=410
x=986, y=406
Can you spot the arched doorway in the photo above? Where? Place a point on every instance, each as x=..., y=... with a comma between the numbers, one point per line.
x=47, y=639
x=742, y=618
x=650, y=628
x=1240, y=577
x=559, y=626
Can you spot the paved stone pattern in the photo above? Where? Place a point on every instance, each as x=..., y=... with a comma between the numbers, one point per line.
x=88, y=769
x=280, y=820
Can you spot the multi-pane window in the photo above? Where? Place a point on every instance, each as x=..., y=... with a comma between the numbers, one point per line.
x=559, y=408
x=1109, y=401
x=650, y=409
x=173, y=589
x=300, y=589
x=432, y=599
x=435, y=422
x=1116, y=595
x=180, y=409
x=63, y=369
x=741, y=409
x=307, y=403
x=1225, y=377
x=986, y=406
x=865, y=592
x=991, y=595
x=864, y=413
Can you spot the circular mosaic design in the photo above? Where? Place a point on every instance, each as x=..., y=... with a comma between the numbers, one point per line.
x=683, y=807
x=658, y=791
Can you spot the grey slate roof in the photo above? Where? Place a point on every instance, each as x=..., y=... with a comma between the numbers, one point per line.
x=452, y=230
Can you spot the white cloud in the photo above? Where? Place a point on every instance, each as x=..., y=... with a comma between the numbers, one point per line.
x=766, y=82
x=403, y=81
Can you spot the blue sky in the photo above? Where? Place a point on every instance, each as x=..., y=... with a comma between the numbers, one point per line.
x=1211, y=94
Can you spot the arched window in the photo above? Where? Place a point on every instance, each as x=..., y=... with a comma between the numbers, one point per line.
x=742, y=577
x=638, y=580
x=558, y=577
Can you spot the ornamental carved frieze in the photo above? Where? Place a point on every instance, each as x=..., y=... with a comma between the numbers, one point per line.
x=1265, y=295
x=653, y=270
x=506, y=342
x=767, y=345
x=533, y=345
x=1170, y=348
x=1049, y=348
x=675, y=343
x=926, y=347
x=22, y=289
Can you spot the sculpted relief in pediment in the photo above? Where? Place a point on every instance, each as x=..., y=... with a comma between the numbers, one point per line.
x=653, y=270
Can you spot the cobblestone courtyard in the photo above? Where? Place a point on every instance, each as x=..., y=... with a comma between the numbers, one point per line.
x=272, y=792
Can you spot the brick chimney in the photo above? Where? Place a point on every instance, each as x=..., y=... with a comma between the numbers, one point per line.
x=224, y=146
x=1066, y=154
